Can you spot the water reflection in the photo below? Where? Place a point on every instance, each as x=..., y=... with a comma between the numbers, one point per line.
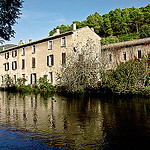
x=57, y=122
x=71, y=122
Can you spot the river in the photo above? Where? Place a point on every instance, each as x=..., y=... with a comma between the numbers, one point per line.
x=34, y=122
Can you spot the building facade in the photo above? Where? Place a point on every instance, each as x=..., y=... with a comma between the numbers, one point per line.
x=44, y=57
x=113, y=54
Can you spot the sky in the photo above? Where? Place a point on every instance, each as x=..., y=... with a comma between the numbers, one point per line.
x=39, y=17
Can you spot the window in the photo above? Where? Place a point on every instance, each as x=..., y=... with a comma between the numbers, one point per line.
x=33, y=49
x=50, y=45
x=23, y=51
x=139, y=54
x=50, y=60
x=124, y=56
x=7, y=55
x=110, y=57
x=63, y=58
x=33, y=62
x=15, y=79
x=14, y=65
x=2, y=79
x=33, y=78
x=23, y=76
x=74, y=49
x=63, y=41
x=14, y=53
x=23, y=63
x=6, y=66
x=51, y=77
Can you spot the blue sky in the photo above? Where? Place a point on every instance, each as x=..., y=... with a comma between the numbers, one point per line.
x=40, y=16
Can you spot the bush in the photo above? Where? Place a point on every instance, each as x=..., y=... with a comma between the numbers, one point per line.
x=129, y=77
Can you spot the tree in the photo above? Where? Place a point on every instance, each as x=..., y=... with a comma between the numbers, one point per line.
x=129, y=77
x=137, y=18
x=126, y=21
x=107, y=25
x=145, y=31
x=82, y=69
x=96, y=21
x=9, y=12
x=116, y=21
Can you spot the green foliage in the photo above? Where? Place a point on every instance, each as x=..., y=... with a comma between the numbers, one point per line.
x=44, y=85
x=9, y=12
x=108, y=40
x=129, y=77
x=125, y=24
x=145, y=31
x=129, y=37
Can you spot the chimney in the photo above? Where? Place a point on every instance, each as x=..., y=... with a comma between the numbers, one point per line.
x=30, y=40
x=20, y=42
x=57, y=31
x=74, y=26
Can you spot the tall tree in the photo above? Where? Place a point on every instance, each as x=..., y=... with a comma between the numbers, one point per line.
x=116, y=21
x=107, y=25
x=96, y=21
x=137, y=18
x=126, y=20
x=9, y=12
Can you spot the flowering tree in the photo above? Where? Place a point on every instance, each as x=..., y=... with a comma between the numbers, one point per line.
x=82, y=69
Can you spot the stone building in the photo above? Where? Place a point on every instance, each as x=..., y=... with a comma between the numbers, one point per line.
x=34, y=59
x=113, y=54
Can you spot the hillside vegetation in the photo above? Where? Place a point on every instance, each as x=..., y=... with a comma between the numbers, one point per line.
x=116, y=26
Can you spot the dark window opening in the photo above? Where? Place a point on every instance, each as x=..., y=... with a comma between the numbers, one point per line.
x=63, y=58
x=139, y=54
x=124, y=56
x=33, y=62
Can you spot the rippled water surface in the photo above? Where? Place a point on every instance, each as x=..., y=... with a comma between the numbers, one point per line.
x=34, y=122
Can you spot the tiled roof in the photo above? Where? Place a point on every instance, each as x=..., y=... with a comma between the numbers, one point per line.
x=127, y=44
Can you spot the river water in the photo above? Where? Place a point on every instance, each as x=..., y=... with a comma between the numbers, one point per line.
x=33, y=122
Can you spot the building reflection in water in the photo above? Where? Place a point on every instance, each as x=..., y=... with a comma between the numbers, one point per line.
x=78, y=121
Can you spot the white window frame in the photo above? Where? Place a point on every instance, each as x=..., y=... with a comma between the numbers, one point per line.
x=6, y=55
x=14, y=65
x=50, y=45
x=124, y=56
x=50, y=60
x=33, y=49
x=63, y=41
x=23, y=51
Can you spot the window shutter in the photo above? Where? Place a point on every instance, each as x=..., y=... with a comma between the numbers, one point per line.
x=47, y=60
x=52, y=60
x=5, y=66
x=12, y=66
x=8, y=55
x=8, y=66
x=16, y=65
x=35, y=77
x=31, y=78
x=63, y=58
